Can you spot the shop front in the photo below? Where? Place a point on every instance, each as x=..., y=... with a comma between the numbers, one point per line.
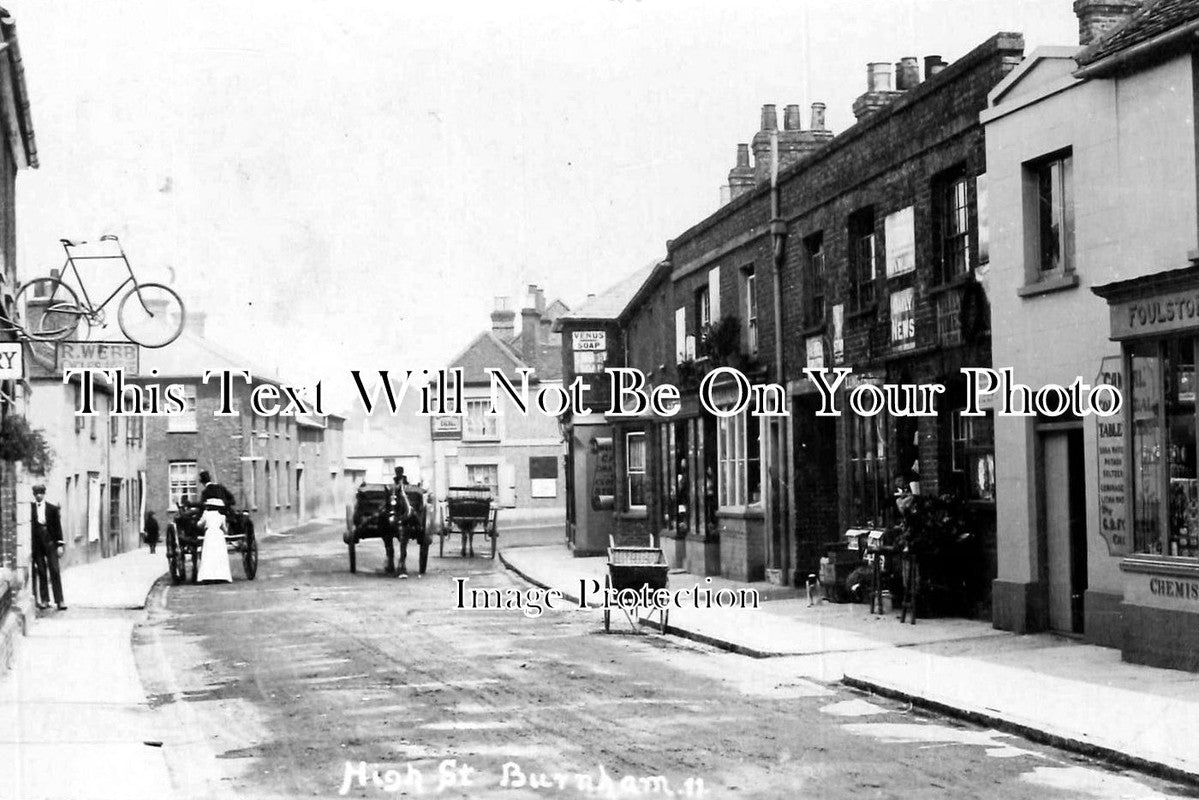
x=1154, y=522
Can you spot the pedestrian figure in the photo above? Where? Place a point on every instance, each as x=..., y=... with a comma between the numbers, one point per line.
x=47, y=549
x=214, y=556
x=151, y=530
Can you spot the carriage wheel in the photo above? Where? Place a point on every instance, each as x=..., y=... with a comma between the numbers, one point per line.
x=195, y=563
x=607, y=610
x=175, y=561
x=249, y=557
x=353, y=556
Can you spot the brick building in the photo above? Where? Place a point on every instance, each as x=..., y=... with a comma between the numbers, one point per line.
x=518, y=456
x=877, y=242
x=283, y=469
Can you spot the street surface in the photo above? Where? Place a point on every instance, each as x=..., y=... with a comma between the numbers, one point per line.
x=315, y=682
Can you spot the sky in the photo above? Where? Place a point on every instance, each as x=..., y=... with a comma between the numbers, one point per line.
x=350, y=185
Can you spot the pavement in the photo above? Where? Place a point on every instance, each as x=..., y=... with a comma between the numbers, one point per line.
x=1047, y=687
x=73, y=696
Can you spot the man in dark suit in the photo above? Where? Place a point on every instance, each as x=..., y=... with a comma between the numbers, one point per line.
x=214, y=491
x=47, y=548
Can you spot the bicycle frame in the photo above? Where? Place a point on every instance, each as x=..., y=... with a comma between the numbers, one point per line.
x=91, y=309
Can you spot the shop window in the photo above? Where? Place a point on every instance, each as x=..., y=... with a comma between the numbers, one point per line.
x=675, y=477
x=182, y=483
x=751, y=309
x=484, y=475
x=952, y=214
x=1164, y=448
x=815, y=274
x=972, y=460
x=1050, y=181
x=635, y=469
x=863, y=257
x=738, y=454
x=184, y=422
x=869, y=494
x=480, y=423
x=587, y=362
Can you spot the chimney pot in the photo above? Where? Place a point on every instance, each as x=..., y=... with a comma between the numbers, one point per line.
x=817, y=116
x=743, y=155
x=932, y=65
x=878, y=76
x=770, y=121
x=791, y=120
x=907, y=73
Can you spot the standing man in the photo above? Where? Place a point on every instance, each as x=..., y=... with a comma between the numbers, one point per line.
x=214, y=491
x=47, y=548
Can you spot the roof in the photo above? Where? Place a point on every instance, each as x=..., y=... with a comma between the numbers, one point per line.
x=1155, y=18
x=611, y=303
x=191, y=355
x=486, y=351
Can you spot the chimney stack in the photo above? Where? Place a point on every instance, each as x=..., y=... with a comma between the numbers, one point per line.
x=907, y=73
x=791, y=118
x=817, y=117
x=503, y=320
x=761, y=143
x=1097, y=17
x=741, y=177
x=878, y=88
x=530, y=327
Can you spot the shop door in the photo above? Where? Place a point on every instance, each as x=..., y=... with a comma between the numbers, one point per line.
x=1065, y=525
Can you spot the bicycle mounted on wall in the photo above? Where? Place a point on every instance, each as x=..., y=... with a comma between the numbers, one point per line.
x=149, y=314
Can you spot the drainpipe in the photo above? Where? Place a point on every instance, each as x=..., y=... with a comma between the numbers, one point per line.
x=778, y=236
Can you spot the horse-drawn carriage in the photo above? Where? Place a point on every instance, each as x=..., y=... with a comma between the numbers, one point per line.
x=468, y=509
x=185, y=536
x=375, y=514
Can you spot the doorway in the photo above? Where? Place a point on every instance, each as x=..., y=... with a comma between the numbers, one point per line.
x=1064, y=525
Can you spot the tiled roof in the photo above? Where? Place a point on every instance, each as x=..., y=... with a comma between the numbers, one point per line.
x=612, y=302
x=1152, y=19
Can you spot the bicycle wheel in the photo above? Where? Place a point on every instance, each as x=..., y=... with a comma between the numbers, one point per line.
x=151, y=315
x=48, y=309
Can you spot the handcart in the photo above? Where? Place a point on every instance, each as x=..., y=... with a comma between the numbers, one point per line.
x=633, y=568
x=467, y=509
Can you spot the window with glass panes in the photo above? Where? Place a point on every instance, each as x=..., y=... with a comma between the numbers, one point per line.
x=973, y=458
x=1052, y=182
x=738, y=456
x=184, y=422
x=484, y=475
x=182, y=484
x=480, y=424
x=863, y=257
x=953, y=224
x=814, y=247
x=869, y=484
x=751, y=309
x=635, y=469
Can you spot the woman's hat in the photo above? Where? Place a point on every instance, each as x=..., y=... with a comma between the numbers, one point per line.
x=214, y=502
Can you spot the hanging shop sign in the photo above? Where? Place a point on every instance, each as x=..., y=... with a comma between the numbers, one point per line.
x=12, y=365
x=1113, y=500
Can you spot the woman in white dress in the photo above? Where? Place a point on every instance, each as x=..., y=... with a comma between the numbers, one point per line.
x=214, y=558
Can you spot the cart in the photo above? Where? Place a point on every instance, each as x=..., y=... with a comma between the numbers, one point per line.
x=634, y=568
x=184, y=537
x=468, y=509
